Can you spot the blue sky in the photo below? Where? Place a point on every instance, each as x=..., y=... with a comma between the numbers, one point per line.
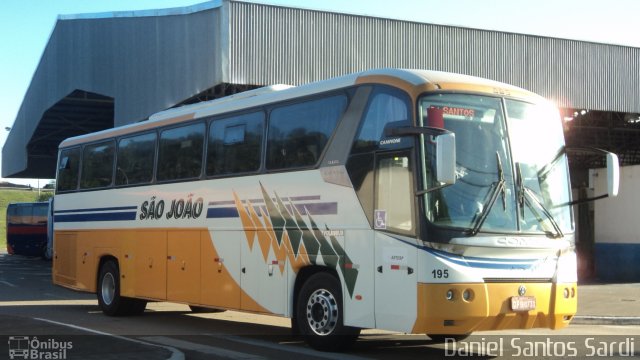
x=25, y=26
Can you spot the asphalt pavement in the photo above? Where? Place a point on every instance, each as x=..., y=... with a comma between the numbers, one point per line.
x=608, y=304
x=41, y=339
x=27, y=281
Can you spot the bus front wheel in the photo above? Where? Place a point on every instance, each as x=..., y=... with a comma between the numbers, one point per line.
x=109, y=299
x=320, y=314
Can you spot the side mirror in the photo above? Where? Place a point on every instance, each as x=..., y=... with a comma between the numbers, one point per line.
x=445, y=142
x=613, y=174
x=446, y=158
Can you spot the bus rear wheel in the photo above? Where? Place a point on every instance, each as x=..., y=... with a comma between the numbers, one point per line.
x=320, y=314
x=109, y=299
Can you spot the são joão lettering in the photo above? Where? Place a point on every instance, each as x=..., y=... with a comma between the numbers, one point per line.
x=179, y=209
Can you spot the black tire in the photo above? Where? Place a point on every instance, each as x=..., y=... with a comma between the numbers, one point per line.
x=109, y=299
x=204, y=310
x=319, y=314
x=295, y=329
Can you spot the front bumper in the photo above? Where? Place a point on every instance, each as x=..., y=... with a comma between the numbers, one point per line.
x=489, y=307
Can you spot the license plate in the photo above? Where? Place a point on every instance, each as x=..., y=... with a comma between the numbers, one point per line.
x=523, y=303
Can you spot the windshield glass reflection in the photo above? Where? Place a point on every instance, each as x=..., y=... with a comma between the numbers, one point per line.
x=489, y=195
x=537, y=144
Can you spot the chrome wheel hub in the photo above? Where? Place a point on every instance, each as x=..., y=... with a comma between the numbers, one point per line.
x=322, y=312
x=108, y=288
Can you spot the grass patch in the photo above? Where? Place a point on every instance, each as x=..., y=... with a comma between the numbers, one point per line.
x=8, y=196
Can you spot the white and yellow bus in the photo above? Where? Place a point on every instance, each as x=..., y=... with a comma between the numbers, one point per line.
x=407, y=200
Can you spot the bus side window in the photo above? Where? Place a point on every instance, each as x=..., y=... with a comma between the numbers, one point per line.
x=68, y=170
x=40, y=213
x=387, y=106
x=97, y=165
x=180, y=154
x=136, y=155
x=299, y=132
x=235, y=144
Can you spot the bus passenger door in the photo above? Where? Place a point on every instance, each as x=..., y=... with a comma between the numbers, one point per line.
x=395, y=253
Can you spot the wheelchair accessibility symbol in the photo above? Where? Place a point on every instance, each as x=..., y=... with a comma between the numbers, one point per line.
x=380, y=219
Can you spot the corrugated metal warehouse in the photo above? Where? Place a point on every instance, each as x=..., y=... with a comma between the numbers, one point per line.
x=104, y=70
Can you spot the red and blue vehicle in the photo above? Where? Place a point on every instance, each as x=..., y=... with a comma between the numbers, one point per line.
x=27, y=228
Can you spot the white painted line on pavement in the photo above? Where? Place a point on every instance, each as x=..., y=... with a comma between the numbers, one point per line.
x=201, y=348
x=7, y=283
x=598, y=317
x=287, y=348
x=175, y=353
x=48, y=302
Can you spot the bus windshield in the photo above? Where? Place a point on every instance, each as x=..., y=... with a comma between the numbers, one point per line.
x=511, y=168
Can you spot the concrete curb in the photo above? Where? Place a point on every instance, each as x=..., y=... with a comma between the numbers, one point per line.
x=605, y=320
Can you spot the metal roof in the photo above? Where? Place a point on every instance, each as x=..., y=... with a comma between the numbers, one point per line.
x=186, y=10
x=111, y=69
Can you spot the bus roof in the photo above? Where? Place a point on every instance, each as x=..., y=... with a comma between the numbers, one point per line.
x=275, y=93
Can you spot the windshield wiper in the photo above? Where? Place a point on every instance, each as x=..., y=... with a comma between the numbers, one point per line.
x=542, y=173
x=497, y=188
x=527, y=196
